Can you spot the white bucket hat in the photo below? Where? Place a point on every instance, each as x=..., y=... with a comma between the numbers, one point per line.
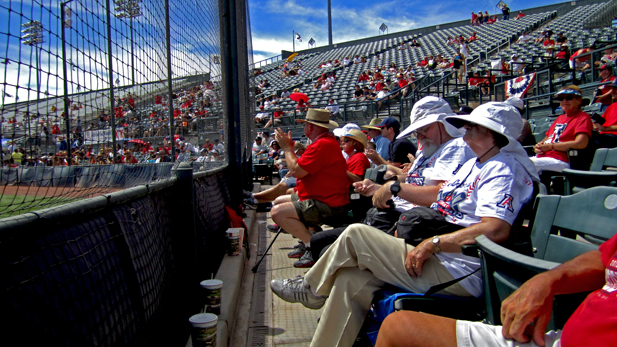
x=345, y=129
x=504, y=119
x=427, y=110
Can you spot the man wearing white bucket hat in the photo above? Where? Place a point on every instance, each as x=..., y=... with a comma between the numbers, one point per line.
x=442, y=153
x=483, y=198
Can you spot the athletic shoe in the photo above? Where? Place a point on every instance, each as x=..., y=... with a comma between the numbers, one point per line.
x=306, y=260
x=295, y=290
x=273, y=227
x=250, y=204
x=297, y=252
x=300, y=244
x=246, y=194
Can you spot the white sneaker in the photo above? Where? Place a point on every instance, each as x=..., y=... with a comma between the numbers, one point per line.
x=295, y=290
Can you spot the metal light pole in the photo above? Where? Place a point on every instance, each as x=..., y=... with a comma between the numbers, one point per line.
x=33, y=37
x=129, y=9
x=112, y=100
x=65, y=100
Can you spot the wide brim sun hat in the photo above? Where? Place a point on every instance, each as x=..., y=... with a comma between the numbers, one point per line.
x=345, y=129
x=319, y=117
x=429, y=110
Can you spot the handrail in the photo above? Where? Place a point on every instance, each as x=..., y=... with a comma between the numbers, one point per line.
x=602, y=16
x=267, y=61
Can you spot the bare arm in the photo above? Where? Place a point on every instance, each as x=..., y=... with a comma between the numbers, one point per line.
x=354, y=177
x=419, y=195
x=580, y=141
x=533, y=301
x=284, y=141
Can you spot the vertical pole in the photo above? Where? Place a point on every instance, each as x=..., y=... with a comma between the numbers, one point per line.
x=330, y=22
x=293, y=40
x=132, y=53
x=170, y=101
x=110, y=68
x=64, y=75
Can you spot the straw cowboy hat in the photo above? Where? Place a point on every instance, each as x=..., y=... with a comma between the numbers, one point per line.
x=319, y=117
x=373, y=124
x=357, y=135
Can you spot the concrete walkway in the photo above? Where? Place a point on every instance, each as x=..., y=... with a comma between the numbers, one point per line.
x=262, y=319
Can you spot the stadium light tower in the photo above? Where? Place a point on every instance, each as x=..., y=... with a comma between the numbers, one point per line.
x=65, y=23
x=33, y=36
x=129, y=9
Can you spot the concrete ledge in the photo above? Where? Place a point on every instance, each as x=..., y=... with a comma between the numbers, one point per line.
x=230, y=272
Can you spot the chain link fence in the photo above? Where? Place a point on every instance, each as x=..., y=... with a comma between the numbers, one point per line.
x=99, y=83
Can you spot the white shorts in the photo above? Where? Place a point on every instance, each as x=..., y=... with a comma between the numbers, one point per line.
x=549, y=164
x=477, y=334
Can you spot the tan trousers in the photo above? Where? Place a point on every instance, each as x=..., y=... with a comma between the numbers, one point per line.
x=353, y=269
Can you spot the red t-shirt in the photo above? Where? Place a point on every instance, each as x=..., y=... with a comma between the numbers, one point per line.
x=402, y=83
x=357, y=164
x=565, y=129
x=327, y=173
x=611, y=118
x=594, y=323
x=606, y=88
x=549, y=42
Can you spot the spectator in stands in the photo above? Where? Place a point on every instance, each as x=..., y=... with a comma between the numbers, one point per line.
x=561, y=39
x=524, y=38
x=449, y=41
x=402, y=46
x=548, y=42
x=358, y=92
x=492, y=20
x=415, y=44
x=479, y=82
x=474, y=18
x=517, y=67
x=463, y=48
x=323, y=184
x=357, y=59
x=368, y=94
x=285, y=93
x=423, y=62
x=458, y=66
x=432, y=63
x=563, y=54
x=473, y=37
x=382, y=144
x=605, y=134
x=608, y=58
x=603, y=94
x=526, y=313
x=363, y=77
x=333, y=108
x=570, y=130
x=505, y=10
x=486, y=16
x=399, y=146
x=362, y=259
x=258, y=147
x=519, y=15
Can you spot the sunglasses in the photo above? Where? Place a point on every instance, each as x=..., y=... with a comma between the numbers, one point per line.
x=567, y=97
x=422, y=131
x=345, y=139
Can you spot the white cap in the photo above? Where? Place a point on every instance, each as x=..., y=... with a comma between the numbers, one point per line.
x=516, y=102
x=345, y=129
x=427, y=110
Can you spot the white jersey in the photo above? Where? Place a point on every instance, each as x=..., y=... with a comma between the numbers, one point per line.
x=440, y=166
x=497, y=188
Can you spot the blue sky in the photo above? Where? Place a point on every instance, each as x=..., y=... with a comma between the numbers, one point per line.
x=272, y=21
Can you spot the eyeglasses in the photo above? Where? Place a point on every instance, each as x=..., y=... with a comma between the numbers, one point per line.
x=422, y=131
x=567, y=97
x=346, y=139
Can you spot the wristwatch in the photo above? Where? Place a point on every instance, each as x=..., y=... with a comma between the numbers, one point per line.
x=436, y=244
x=395, y=188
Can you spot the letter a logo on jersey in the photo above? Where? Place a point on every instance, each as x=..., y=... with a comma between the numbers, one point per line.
x=506, y=202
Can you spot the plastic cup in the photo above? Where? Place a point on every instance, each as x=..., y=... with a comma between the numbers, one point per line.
x=203, y=331
x=213, y=295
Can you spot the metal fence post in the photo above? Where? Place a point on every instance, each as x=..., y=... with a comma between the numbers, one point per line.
x=186, y=203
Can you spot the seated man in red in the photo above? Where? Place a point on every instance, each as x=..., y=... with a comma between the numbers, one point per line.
x=606, y=136
x=604, y=91
x=526, y=313
x=321, y=172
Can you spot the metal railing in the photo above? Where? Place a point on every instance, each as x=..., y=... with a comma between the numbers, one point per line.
x=603, y=17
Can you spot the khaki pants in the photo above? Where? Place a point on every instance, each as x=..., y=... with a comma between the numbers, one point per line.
x=357, y=264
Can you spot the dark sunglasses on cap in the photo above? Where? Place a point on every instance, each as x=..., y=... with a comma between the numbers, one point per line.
x=566, y=97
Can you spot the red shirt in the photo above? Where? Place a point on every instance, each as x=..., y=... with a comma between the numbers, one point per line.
x=379, y=86
x=357, y=164
x=402, y=83
x=565, y=129
x=594, y=323
x=606, y=88
x=611, y=118
x=548, y=42
x=327, y=173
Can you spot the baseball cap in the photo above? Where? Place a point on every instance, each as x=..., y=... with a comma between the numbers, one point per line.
x=345, y=129
x=389, y=122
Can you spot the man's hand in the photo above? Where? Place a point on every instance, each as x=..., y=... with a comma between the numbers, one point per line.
x=411, y=157
x=382, y=195
x=531, y=303
x=366, y=187
x=284, y=140
x=372, y=154
x=541, y=148
x=417, y=256
x=599, y=127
